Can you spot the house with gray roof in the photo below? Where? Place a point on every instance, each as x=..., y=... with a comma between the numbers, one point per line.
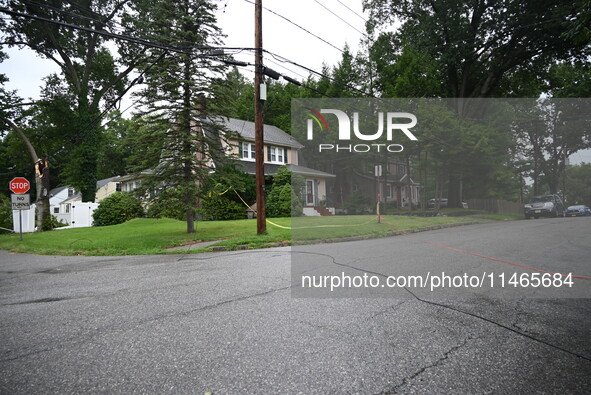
x=280, y=149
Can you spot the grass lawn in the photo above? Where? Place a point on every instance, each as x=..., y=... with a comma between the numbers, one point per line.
x=154, y=236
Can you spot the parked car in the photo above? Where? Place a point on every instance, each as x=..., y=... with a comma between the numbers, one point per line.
x=442, y=203
x=544, y=206
x=578, y=211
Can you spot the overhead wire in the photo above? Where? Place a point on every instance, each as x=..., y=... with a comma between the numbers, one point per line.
x=235, y=49
x=342, y=19
x=298, y=26
x=284, y=67
x=76, y=15
x=350, y=9
x=141, y=41
x=280, y=58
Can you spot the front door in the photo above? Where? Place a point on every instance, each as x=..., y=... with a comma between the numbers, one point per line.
x=309, y=192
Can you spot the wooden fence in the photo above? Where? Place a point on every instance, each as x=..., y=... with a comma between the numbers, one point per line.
x=495, y=206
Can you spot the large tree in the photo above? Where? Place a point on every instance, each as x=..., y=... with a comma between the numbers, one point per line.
x=477, y=45
x=550, y=133
x=578, y=184
x=174, y=98
x=70, y=33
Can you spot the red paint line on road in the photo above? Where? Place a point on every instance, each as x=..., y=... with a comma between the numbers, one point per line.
x=483, y=256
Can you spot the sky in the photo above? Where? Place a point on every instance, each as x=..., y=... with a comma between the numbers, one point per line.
x=236, y=19
x=336, y=22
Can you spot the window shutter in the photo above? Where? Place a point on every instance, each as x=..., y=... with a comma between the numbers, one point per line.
x=268, y=153
x=240, y=148
x=284, y=155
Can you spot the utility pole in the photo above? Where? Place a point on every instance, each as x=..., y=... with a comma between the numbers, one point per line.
x=258, y=118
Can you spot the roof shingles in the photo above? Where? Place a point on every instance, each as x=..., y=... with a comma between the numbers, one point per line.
x=272, y=134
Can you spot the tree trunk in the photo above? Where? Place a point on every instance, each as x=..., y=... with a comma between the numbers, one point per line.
x=42, y=183
x=41, y=186
x=453, y=194
x=553, y=183
x=187, y=150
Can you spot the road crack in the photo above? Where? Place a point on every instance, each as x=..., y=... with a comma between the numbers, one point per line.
x=459, y=311
x=422, y=370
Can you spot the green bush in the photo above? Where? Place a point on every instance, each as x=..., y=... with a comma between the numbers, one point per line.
x=52, y=223
x=5, y=213
x=221, y=207
x=283, y=202
x=285, y=176
x=116, y=209
x=358, y=203
x=168, y=204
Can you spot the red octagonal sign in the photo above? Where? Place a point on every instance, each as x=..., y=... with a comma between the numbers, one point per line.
x=19, y=185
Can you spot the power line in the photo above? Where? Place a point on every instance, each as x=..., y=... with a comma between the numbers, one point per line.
x=285, y=68
x=365, y=94
x=76, y=15
x=298, y=26
x=285, y=60
x=184, y=51
x=332, y=12
x=166, y=47
x=347, y=7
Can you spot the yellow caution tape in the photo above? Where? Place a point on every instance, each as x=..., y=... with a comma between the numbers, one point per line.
x=302, y=227
x=322, y=226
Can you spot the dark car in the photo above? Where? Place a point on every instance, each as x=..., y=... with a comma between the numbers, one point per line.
x=442, y=203
x=578, y=211
x=544, y=206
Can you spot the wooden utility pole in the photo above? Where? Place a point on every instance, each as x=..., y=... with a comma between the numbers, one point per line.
x=258, y=118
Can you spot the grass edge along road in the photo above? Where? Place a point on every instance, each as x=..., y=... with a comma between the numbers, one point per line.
x=155, y=236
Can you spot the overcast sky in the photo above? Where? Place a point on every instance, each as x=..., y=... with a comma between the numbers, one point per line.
x=236, y=19
x=338, y=22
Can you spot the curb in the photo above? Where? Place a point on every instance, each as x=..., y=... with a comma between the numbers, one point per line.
x=389, y=234
x=344, y=239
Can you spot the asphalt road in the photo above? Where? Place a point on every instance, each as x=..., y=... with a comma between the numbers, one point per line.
x=240, y=322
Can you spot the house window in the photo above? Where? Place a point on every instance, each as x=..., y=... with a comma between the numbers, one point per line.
x=68, y=208
x=70, y=192
x=56, y=210
x=118, y=187
x=129, y=186
x=389, y=191
x=276, y=154
x=247, y=150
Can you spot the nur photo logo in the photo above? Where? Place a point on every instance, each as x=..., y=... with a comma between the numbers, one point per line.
x=388, y=123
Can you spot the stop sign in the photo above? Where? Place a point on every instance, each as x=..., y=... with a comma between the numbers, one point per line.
x=19, y=185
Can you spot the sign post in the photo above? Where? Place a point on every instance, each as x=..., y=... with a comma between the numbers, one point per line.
x=378, y=173
x=20, y=200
